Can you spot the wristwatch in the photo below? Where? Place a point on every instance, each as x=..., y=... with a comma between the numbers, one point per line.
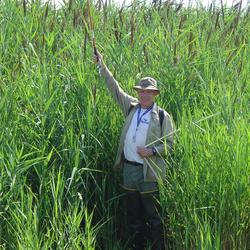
x=154, y=151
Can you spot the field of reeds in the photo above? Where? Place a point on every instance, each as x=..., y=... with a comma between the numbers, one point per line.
x=59, y=128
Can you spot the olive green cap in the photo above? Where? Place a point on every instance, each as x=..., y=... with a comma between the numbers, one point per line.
x=147, y=83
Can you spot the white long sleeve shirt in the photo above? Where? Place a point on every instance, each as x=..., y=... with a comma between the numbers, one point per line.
x=136, y=136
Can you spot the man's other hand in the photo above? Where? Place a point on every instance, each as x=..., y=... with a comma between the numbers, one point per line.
x=144, y=152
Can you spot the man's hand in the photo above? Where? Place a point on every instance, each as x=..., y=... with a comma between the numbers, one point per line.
x=144, y=152
x=97, y=59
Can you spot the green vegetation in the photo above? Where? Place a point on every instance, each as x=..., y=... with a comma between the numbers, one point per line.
x=59, y=128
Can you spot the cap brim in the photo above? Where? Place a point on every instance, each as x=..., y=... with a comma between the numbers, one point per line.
x=139, y=87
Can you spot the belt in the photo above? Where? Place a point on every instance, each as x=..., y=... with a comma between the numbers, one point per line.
x=133, y=163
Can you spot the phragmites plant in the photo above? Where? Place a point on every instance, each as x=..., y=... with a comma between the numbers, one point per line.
x=59, y=129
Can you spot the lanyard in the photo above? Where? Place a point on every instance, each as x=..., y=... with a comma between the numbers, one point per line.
x=139, y=118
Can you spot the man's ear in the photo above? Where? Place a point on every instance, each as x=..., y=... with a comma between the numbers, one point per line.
x=156, y=93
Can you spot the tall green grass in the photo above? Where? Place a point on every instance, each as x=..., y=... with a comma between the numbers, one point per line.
x=59, y=128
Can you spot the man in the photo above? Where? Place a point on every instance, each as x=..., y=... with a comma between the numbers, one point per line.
x=146, y=137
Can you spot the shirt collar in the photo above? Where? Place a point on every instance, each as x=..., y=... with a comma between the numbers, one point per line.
x=154, y=109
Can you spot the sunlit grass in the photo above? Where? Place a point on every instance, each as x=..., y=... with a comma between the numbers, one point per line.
x=59, y=128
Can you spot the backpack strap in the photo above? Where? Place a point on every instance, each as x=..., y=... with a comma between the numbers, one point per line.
x=130, y=108
x=161, y=116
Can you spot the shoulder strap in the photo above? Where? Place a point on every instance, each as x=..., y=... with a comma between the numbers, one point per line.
x=161, y=116
x=130, y=108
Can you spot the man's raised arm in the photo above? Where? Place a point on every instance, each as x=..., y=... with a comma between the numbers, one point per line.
x=120, y=96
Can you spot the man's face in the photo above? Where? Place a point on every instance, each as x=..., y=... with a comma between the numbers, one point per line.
x=146, y=97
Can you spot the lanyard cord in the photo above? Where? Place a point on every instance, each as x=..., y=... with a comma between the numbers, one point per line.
x=139, y=118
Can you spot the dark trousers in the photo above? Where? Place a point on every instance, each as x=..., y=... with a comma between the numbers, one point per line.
x=144, y=221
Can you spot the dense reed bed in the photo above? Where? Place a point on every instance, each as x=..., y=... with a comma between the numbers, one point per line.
x=59, y=128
